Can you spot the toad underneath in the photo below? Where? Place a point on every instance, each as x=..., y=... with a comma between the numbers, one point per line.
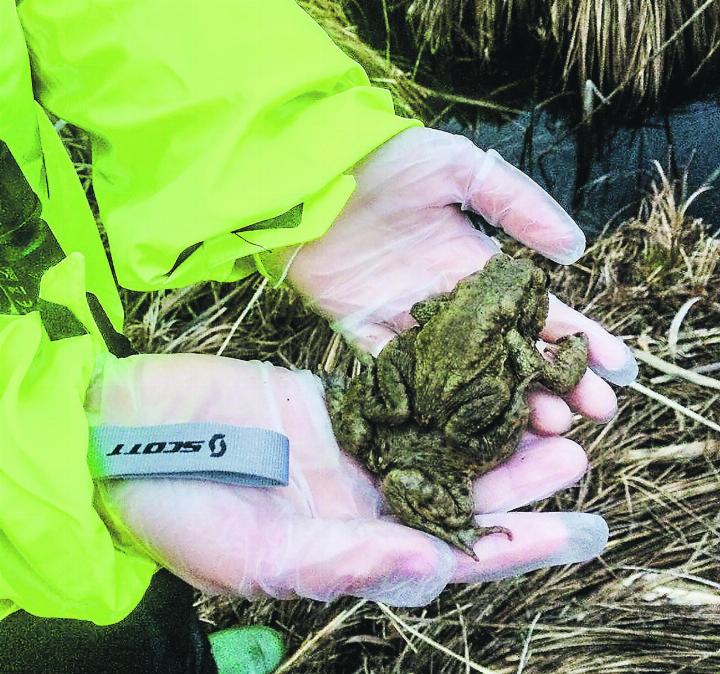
x=445, y=401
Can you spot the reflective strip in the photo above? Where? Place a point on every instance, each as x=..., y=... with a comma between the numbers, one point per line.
x=249, y=457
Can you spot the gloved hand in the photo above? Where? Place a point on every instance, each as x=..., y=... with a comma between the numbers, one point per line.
x=404, y=236
x=325, y=534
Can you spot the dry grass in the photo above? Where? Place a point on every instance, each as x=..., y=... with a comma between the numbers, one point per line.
x=650, y=48
x=652, y=603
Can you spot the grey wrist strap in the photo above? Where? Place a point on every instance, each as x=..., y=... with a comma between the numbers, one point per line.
x=249, y=457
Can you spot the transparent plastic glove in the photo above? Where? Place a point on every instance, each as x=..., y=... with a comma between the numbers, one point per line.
x=404, y=236
x=325, y=534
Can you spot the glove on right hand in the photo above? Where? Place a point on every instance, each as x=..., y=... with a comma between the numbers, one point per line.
x=405, y=235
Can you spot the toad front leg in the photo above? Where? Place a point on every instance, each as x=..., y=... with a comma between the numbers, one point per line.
x=560, y=374
x=379, y=397
x=420, y=501
x=391, y=400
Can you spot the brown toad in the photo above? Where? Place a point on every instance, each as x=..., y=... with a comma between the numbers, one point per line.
x=445, y=401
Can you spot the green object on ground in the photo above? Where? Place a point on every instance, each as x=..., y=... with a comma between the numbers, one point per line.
x=247, y=650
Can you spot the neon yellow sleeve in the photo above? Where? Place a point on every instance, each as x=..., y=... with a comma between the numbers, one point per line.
x=221, y=129
x=57, y=558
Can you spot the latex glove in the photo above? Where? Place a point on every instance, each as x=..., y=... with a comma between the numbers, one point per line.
x=404, y=236
x=326, y=534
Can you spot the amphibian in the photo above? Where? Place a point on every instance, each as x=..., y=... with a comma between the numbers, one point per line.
x=445, y=401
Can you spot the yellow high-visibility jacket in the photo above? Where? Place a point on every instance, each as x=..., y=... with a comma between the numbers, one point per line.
x=220, y=129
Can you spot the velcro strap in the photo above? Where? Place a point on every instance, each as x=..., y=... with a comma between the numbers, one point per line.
x=249, y=457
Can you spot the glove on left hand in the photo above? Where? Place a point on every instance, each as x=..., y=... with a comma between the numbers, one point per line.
x=326, y=534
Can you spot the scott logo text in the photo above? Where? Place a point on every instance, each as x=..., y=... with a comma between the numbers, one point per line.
x=216, y=444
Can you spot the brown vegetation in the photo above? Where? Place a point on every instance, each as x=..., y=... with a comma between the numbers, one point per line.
x=649, y=48
x=652, y=602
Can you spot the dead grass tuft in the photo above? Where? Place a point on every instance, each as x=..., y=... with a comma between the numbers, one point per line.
x=650, y=48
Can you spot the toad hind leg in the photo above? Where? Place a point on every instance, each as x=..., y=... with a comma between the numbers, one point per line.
x=467, y=423
x=422, y=503
x=465, y=539
x=492, y=445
